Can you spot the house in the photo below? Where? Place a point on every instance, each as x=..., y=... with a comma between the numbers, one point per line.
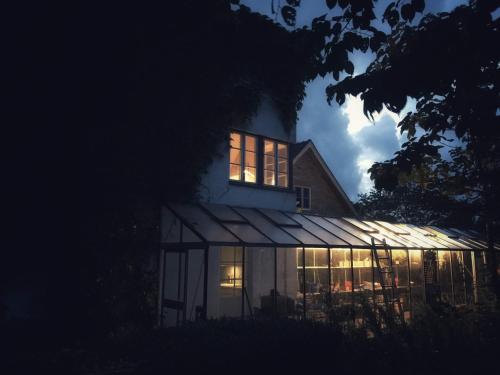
x=274, y=234
x=317, y=190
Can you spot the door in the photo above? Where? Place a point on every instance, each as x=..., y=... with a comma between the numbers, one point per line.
x=183, y=286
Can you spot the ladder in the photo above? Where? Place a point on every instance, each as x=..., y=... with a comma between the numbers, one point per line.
x=388, y=285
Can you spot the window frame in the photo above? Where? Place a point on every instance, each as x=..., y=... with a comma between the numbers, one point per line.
x=242, y=162
x=301, y=206
x=259, y=183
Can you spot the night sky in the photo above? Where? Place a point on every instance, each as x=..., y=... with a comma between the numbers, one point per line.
x=347, y=140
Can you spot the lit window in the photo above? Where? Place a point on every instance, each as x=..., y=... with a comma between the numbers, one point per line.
x=275, y=163
x=303, y=195
x=243, y=152
x=231, y=268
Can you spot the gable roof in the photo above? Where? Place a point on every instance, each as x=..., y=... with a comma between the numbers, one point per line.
x=299, y=149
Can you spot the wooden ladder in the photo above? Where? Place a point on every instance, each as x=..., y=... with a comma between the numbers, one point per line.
x=388, y=285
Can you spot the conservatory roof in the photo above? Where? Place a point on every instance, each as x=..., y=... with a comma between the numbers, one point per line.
x=201, y=225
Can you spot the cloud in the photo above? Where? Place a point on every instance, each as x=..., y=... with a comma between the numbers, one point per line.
x=377, y=142
x=327, y=127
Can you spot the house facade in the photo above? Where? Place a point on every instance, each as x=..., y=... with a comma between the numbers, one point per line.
x=274, y=234
x=317, y=190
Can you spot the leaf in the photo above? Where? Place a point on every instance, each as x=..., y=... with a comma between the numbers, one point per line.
x=349, y=68
x=331, y=3
x=343, y=3
x=407, y=12
x=418, y=5
x=337, y=28
x=393, y=18
x=288, y=13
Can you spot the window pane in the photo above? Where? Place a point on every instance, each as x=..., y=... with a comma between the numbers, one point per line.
x=269, y=162
x=282, y=165
x=282, y=150
x=269, y=177
x=283, y=180
x=234, y=172
x=234, y=156
x=306, y=198
x=298, y=196
x=268, y=147
x=235, y=140
x=250, y=174
x=250, y=159
x=250, y=143
x=305, y=203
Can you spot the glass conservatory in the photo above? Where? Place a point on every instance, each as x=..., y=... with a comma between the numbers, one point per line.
x=224, y=261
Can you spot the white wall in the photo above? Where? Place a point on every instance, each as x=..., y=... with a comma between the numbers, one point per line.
x=215, y=186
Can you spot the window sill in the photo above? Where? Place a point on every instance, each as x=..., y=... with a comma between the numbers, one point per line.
x=261, y=186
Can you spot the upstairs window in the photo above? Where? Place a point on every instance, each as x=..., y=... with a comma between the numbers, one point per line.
x=303, y=197
x=243, y=158
x=275, y=163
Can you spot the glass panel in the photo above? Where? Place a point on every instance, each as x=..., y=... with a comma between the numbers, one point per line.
x=278, y=217
x=234, y=156
x=362, y=265
x=417, y=237
x=282, y=166
x=362, y=283
x=444, y=276
x=347, y=237
x=341, y=283
x=287, y=282
x=260, y=281
x=223, y=213
x=250, y=143
x=317, y=285
x=265, y=226
x=250, y=159
x=173, y=289
x=392, y=239
x=234, y=172
x=441, y=237
x=416, y=278
x=235, y=140
x=353, y=230
x=400, y=266
x=303, y=236
x=196, y=270
x=431, y=286
x=283, y=180
x=306, y=198
x=269, y=162
x=401, y=278
x=268, y=147
x=230, y=281
x=250, y=174
x=469, y=277
x=247, y=233
x=318, y=231
x=394, y=229
x=298, y=196
x=269, y=177
x=360, y=225
x=204, y=224
x=282, y=150
x=457, y=264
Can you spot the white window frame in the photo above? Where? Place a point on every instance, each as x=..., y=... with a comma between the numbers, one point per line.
x=302, y=197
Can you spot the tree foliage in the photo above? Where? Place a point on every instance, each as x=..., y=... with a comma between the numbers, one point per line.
x=449, y=64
